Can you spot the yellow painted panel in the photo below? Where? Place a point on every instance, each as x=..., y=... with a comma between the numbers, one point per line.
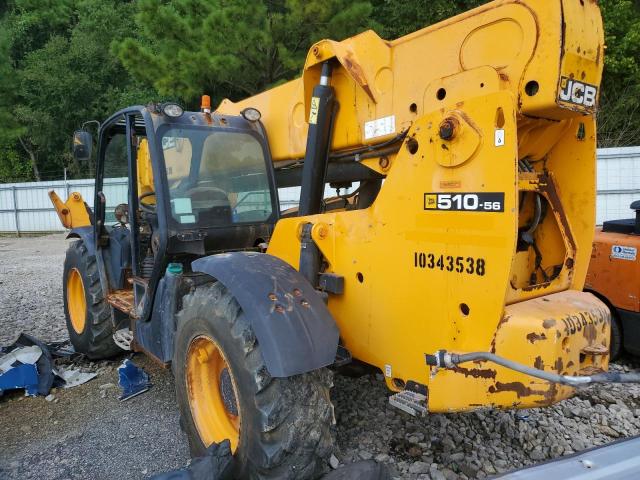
x=393, y=309
x=437, y=261
x=522, y=41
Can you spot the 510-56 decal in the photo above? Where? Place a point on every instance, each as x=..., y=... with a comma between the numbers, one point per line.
x=465, y=202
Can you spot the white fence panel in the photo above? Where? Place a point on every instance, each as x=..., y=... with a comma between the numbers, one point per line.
x=28, y=203
x=26, y=208
x=618, y=182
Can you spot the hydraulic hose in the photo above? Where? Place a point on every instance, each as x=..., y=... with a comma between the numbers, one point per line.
x=444, y=359
x=370, y=148
x=536, y=218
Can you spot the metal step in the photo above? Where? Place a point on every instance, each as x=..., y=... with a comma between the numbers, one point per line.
x=343, y=357
x=123, y=338
x=411, y=402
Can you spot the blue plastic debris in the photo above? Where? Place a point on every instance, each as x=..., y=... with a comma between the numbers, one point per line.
x=14, y=355
x=21, y=376
x=28, y=356
x=132, y=379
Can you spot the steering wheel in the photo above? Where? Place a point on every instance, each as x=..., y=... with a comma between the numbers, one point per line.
x=202, y=192
x=207, y=193
x=149, y=208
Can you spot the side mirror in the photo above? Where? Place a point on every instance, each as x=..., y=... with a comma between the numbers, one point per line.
x=82, y=145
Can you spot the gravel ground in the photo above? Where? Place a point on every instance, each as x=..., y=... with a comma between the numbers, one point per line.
x=85, y=432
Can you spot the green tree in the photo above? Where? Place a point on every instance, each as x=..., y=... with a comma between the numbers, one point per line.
x=8, y=86
x=32, y=22
x=231, y=49
x=65, y=74
x=619, y=116
x=10, y=128
x=399, y=18
x=63, y=62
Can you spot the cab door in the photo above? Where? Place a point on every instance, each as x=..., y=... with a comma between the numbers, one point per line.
x=127, y=226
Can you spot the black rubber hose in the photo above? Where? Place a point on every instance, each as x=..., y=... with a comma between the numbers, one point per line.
x=443, y=359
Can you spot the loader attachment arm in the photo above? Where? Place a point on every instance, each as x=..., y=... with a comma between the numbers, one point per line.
x=74, y=212
x=479, y=237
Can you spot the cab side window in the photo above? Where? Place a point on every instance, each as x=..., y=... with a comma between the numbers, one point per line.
x=115, y=185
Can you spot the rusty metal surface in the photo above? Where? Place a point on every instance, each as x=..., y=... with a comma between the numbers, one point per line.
x=123, y=301
x=565, y=333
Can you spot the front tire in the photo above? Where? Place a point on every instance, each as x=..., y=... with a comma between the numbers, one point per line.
x=278, y=427
x=87, y=313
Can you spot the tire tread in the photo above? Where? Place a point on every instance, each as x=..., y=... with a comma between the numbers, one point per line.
x=295, y=414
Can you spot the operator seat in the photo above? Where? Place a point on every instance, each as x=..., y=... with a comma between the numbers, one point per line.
x=216, y=207
x=145, y=176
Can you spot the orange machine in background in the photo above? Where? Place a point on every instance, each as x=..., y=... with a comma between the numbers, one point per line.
x=614, y=276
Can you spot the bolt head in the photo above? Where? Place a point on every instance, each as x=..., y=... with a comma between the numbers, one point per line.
x=448, y=128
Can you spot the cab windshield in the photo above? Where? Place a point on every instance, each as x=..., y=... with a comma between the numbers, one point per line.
x=216, y=178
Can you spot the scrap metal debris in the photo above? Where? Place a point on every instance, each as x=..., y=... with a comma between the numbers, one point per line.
x=25, y=355
x=132, y=379
x=27, y=350
x=28, y=364
x=73, y=377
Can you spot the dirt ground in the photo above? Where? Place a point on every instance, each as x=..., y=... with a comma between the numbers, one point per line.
x=87, y=433
x=79, y=434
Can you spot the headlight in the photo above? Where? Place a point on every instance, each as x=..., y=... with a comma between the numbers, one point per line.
x=251, y=114
x=172, y=110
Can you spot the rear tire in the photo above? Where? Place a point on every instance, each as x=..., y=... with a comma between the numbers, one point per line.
x=615, y=344
x=87, y=313
x=285, y=424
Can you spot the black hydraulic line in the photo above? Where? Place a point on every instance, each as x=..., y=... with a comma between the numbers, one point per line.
x=318, y=144
x=358, y=157
x=353, y=156
x=370, y=148
x=336, y=173
x=444, y=359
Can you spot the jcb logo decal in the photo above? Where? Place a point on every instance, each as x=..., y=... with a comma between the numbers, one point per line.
x=430, y=201
x=578, y=93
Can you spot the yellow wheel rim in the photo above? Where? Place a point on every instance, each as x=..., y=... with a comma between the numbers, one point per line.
x=76, y=301
x=212, y=393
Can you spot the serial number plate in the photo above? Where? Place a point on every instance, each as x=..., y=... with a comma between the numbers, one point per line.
x=575, y=323
x=465, y=202
x=449, y=263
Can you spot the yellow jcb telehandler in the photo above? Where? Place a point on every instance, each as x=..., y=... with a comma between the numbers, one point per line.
x=456, y=266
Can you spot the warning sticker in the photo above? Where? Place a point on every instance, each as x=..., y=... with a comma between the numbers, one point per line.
x=623, y=253
x=380, y=127
x=313, y=115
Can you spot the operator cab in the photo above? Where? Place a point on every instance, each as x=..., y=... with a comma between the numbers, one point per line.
x=173, y=186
